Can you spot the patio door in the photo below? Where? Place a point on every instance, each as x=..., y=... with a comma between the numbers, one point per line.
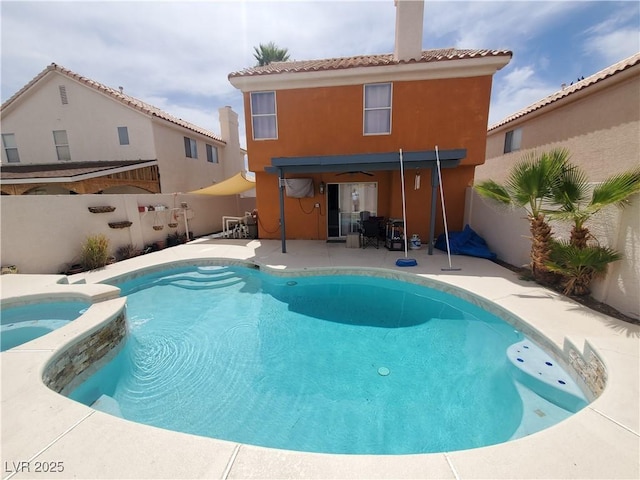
x=345, y=203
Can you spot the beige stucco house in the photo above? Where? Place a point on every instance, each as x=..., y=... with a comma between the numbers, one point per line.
x=64, y=133
x=596, y=118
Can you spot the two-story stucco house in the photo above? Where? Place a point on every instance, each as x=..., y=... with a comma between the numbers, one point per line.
x=596, y=118
x=64, y=133
x=340, y=123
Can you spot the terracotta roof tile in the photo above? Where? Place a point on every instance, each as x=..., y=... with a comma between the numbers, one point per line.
x=296, y=66
x=117, y=95
x=576, y=87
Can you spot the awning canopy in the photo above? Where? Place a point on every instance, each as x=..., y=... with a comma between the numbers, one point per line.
x=365, y=161
x=231, y=186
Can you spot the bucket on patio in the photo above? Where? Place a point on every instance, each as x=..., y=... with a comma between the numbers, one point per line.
x=415, y=242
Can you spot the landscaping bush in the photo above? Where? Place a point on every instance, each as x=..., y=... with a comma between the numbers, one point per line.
x=95, y=252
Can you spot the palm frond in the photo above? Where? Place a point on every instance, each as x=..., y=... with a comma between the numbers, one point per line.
x=270, y=52
x=570, y=260
x=577, y=217
x=493, y=190
x=570, y=188
x=524, y=181
x=532, y=179
x=616, y=190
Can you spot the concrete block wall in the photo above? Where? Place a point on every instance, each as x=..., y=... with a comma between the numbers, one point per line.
x=45, y=233
x=507, y=234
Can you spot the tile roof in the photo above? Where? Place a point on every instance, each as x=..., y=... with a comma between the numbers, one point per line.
x=117, y=95
x=67, y=169
x=576, y=87
x=296, y=66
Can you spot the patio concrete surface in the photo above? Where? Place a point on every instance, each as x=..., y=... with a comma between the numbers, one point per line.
x=41, y=427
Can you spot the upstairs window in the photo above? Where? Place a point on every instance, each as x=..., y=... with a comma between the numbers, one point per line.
x=123, y=135
x=62, y=145
x=212, y=154
x=512, y=140
x=10, y=147
x=377, y=109
x=263, y=115
x=190, y=148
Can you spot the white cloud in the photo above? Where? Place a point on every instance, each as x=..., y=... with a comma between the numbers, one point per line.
x=177, y=55
x=481, y=24
x=616, y=37
x=517, y=89
x=615, y=45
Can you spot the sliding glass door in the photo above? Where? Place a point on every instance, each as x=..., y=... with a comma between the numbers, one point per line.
x=346, y=203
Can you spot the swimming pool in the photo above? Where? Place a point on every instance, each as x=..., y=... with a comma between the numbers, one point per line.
x=340, y=364
x=21, y=324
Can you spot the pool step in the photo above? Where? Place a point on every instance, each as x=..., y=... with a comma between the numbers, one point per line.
x=206, y=284
x=212, y=269
x=46, y=324
x=107, y=404
x=201, y=279
x=538, y=371
x=198, y=275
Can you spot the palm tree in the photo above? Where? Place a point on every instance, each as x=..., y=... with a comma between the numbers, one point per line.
x=579, y=265
x=530, y=185
x=265, y=54
x=571, y=195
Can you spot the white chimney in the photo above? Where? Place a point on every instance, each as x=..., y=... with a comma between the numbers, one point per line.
x=409, y=17
x=232, y=158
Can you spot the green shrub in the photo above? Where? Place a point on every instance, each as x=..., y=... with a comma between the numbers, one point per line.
x=95, y=252
x=580, y=266
x=127, y=251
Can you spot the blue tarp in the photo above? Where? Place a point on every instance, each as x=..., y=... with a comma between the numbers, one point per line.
x=466, y=242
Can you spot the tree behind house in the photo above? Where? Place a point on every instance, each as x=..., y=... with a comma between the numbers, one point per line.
x=270, y=52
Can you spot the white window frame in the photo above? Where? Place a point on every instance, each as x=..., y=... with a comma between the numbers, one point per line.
x=212, y=153
x=376, y=109
x=513, y=140
x=62, y=145
x=123, y=135
x=9, y=144
x=261, y=116
x=190, y=148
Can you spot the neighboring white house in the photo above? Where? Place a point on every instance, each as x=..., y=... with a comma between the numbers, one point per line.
x=64, y=133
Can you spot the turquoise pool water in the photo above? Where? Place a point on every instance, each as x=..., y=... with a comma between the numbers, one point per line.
x=335, y=364
x=24, y=323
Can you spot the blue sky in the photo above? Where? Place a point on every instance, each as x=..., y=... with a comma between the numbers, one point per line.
x=177, y=55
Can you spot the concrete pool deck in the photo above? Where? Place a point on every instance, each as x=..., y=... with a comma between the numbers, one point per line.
x=44, y=430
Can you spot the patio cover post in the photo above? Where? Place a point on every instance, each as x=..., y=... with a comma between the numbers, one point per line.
x=282, y=228
x=434, y=200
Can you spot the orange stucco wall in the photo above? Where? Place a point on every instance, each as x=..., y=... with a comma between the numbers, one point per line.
x=450, y=113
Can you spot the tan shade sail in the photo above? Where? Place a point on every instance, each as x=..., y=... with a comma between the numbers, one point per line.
x=231, y=186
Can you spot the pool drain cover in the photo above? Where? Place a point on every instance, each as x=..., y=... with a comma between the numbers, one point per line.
x=383, y=371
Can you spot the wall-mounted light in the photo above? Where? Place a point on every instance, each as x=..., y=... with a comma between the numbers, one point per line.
x=321, y=188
